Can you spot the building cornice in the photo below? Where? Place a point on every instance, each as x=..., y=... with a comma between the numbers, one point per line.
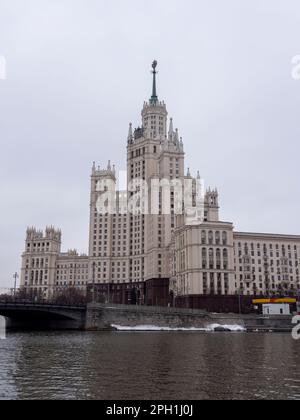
x=267, y=236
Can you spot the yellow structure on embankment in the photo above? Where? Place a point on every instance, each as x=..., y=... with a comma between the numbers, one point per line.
x=274, y=300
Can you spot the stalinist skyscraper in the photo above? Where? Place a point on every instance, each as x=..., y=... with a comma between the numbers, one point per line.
x=159, y=240
x=135, y=248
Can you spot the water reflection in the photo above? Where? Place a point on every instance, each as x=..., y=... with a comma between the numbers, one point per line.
x=149, y=366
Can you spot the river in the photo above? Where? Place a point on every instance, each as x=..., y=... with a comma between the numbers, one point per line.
x=152, y=365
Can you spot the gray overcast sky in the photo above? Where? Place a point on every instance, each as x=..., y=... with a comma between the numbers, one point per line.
x=78, y=72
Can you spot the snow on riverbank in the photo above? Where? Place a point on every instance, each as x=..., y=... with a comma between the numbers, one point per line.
x=208, y=328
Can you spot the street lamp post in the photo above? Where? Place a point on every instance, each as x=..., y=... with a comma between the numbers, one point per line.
x=15, y=276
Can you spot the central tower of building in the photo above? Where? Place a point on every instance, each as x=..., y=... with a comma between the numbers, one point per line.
x=154, y=152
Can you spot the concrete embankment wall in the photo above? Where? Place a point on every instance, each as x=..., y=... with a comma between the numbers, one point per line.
x=102, y=317
x=277, y=323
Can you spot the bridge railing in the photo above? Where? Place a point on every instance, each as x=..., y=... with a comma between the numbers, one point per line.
x=57, y=296
x=149, y=309
x=72, y=296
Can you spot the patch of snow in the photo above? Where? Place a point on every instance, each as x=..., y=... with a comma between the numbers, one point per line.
x=209, y=328
x=232, y=328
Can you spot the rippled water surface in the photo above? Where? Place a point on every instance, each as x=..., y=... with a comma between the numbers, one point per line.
x=149, y=366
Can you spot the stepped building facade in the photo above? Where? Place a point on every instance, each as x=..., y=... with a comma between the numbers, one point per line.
x=161, y=241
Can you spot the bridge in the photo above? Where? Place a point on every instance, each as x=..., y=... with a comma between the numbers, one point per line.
x=43, y=316
x=107, y=317
x=93, y=316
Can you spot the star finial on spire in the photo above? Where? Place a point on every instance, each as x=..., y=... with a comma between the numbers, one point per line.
x=154, y=97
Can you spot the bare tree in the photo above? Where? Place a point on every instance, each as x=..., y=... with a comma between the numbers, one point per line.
x=70, y=296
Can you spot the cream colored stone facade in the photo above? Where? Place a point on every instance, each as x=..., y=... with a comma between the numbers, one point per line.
x=203, y=257
x=266, y=264
x=46, y=270
x=199, y=255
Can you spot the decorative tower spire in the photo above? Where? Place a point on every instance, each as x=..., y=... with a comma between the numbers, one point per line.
x=171, y=129
x=130, y=133
x=154, y=97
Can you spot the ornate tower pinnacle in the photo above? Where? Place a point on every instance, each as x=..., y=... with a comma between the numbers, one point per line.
x=130, y=134
x=154, y=114
x=154, y=97
x=171, y=129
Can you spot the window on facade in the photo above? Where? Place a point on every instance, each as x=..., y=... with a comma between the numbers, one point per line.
x=225, y=259
x=211, y=259
x=218, y=257
x=204, y=258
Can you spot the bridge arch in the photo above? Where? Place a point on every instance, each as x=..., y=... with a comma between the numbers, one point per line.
x=43, y=317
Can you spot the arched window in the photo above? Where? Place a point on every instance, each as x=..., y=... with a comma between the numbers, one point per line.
x=211, y=259
x=224, y=238
x=218, y=258
x=36, y=277
x=210, y=238
x=204, y=258
x=218, y=238
x=225, y=259
x=205, y=285
x=203, y=237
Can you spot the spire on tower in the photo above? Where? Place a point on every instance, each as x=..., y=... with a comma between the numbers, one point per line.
x=154, y=97
x=171, y=129
x=130, y=133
